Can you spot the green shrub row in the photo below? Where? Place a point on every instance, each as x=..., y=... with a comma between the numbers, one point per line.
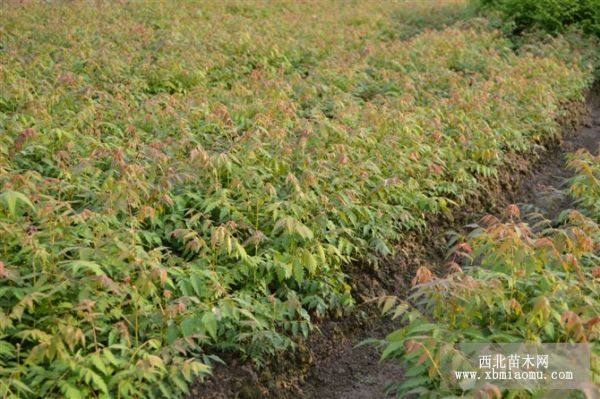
x=554, y=16
x=179, y=180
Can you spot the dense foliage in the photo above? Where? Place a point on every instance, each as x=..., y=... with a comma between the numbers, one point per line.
x=555, y=16
x=585, y=186
x=178, y=179
x=514, y=283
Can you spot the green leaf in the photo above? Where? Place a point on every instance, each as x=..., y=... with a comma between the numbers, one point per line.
x=388, y=303
x=99, y=383
x=309, y=261
x=20, y=386
x=549, y=329
x=391, y=348
x=99, y=364
x=93, y=267
x=172, y=333
x=197, y=283
x=298, y=271
x=11, y=199
x=400, y=309
x=210, y=324
x=70, y=391
x=191, y=325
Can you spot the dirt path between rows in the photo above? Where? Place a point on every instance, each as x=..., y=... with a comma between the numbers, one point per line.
x=329, y=365
x=545, y=190
x=356, y=373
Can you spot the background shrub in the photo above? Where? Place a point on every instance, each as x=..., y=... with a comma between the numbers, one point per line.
x=554, y=16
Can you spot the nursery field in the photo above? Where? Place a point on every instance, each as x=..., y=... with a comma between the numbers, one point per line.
x=182, y=180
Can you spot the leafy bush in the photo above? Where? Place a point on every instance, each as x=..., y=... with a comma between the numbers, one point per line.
x=178, y=180
x=553, y=16
x=585, y=186
x=516, y=284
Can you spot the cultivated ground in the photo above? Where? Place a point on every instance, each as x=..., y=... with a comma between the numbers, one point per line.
x=214, y=199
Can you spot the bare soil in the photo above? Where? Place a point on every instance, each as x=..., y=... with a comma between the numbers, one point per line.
x=544, y=191
x=329, y=365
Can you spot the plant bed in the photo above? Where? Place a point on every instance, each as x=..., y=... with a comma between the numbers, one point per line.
x=328, y=364
x=182, y=180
